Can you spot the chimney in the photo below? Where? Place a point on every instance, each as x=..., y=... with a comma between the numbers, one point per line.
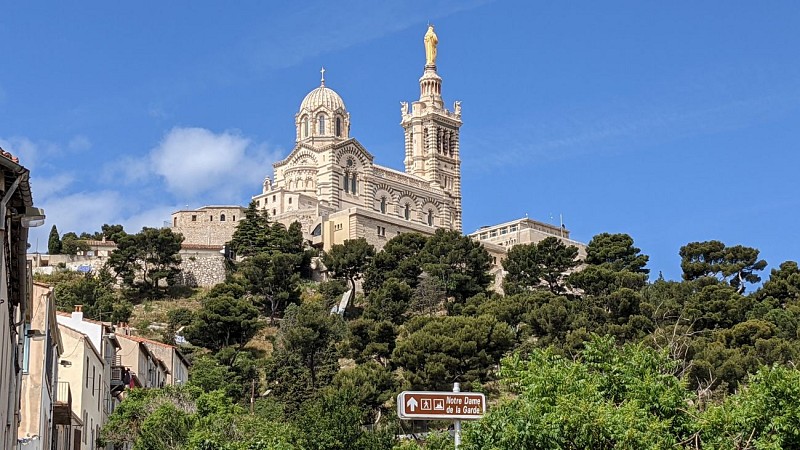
x=78, y=313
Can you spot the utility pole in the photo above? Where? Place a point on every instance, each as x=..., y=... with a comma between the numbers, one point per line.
x=457, y=422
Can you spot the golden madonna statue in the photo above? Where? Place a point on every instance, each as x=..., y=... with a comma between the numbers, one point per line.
x=431, y=40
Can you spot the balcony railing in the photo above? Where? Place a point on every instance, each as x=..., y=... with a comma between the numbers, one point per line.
x=62, y=408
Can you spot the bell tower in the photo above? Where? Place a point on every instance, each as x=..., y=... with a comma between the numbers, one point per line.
x=432, y=149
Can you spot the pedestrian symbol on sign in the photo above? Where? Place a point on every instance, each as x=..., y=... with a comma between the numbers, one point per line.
x=426, y=403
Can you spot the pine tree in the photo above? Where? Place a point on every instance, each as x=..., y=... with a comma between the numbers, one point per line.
x=54, y=242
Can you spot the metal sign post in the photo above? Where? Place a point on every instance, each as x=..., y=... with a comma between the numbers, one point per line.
x=456, y=406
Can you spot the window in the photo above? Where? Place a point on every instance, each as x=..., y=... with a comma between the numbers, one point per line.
x=174, y=221
x=305, y=126
x=407, y=212
x=234, y=218
x=321, y=120
x=337, y=227
x=273, y=198
x=493, y=233
x=26, y=349
x=346, y=182
x=222, y=217
x=273, y=213
x=383, y=205
x=87, y=372
x=381, y=231
x=353, y=184
x=210, y=218
x=290, y=200
x=503, y=230
x=430, y=218
x=194, y=218
x=338, y=127
x=513, y=228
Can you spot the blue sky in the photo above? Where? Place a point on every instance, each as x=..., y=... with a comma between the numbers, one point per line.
x=671, y=121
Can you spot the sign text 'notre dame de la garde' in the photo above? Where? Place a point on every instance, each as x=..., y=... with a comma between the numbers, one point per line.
x=441, y=405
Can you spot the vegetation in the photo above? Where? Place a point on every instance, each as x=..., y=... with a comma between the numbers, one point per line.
x=575, y=354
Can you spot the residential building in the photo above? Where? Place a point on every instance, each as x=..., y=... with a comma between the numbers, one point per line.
x=88, y=376
x=143, y=368
x=16, y=214
x=41, y=411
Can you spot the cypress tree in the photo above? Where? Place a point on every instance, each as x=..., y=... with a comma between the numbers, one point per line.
x=54, y=242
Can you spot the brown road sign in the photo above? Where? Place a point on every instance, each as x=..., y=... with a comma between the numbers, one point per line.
x=441, y=405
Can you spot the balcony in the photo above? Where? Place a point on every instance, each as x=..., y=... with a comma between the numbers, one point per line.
x=62, y=408
x=119, y=378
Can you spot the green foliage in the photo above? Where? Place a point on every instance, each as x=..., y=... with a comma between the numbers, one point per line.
x=147, y=262
x=616, y=251
x=369, y=339
x=349, y=260
x=459, y=263
x=610, y=398
x=334, y=422
x=764, y=415
x=250, y=236
x=736, y=265
x=399, y=259
x=389, y=302
x=305, y=357
x=95, y=292
x=54, y=242
x=434, y=352
x=71, y=244
x=371, y=384
x=273, y=279
x=223, y=321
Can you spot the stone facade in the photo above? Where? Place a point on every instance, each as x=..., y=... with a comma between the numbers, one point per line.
x=202, y=265
x=331, y=184
x=209, y=225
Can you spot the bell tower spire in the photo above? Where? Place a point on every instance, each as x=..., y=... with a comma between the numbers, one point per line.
x=432, y=148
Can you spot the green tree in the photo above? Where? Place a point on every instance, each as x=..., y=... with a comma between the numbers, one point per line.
x=389, y=302
x=370, y=340
x=54, y=242
x=71, y=244
x=546, y=262
x=334, y=421
x=348, y=261
x=763, y=415
x=435, y=352
x=398, y=259
x=145, y=260
x=272, y=279
x=458, y=262
x=223, y=321
x=305, y=357
x=96, y=293
x=609, y=398
x=250, y=236
x=735, y=265
x=616, y=251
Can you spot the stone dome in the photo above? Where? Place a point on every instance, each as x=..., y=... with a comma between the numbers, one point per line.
x=322, y=97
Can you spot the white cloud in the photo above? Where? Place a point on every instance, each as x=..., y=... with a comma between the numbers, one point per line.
x=79, y=142
x=44, y=187
x=196, y=161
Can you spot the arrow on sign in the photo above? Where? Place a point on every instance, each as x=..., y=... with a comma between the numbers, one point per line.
x=412, y=404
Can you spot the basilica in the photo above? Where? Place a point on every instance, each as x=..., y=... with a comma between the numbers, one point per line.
x=332, y=186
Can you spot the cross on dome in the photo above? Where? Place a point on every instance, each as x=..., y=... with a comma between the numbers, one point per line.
x=322, y=71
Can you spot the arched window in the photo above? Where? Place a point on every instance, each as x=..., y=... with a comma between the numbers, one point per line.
x=321, y=120
x=383, y=205
x=407, y=212
x=347, y=182
x=305, y=126
x=430, y=218
x=222, y=217
x=273, y=213
x=353, y=184
x=338, y=127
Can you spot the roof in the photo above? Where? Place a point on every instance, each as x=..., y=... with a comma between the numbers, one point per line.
x=85, y=338
x=66, y=314
x=322, y=97
x=96, y=243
